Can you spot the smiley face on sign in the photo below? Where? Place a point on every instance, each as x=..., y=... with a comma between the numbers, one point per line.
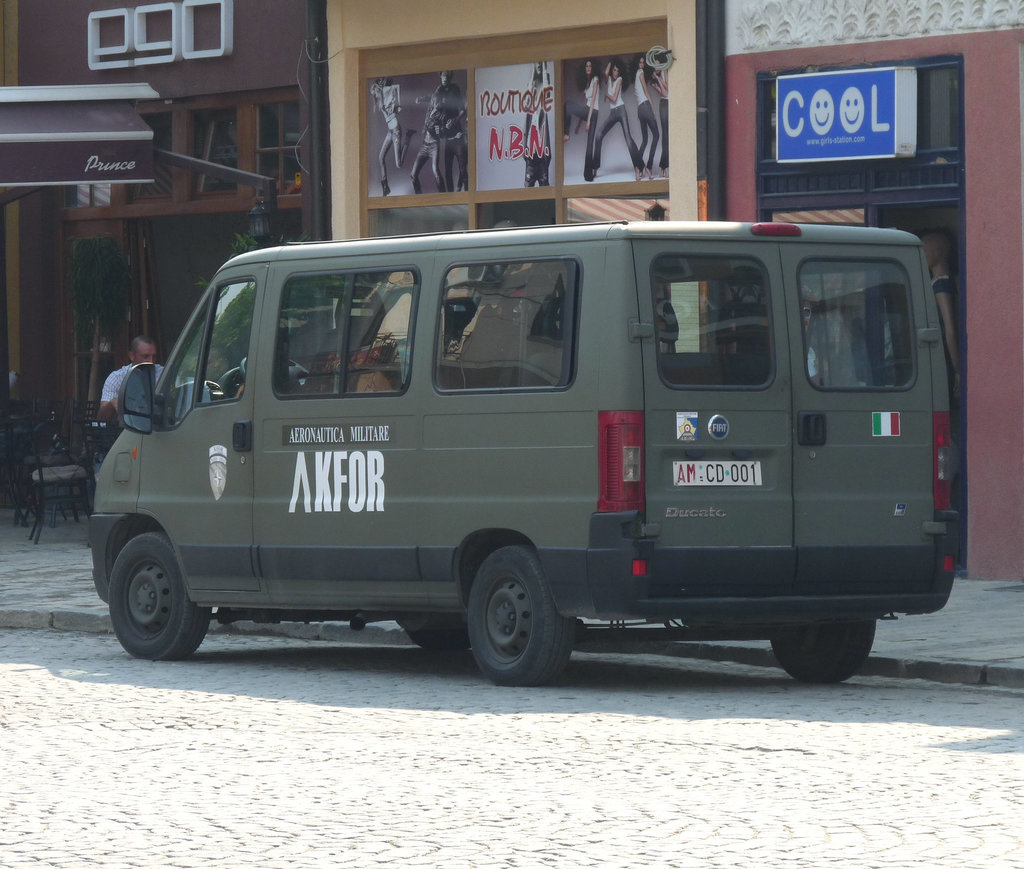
x=851, y=109
x=823, y=111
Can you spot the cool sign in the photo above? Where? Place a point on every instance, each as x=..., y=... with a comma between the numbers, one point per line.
x=854, y=114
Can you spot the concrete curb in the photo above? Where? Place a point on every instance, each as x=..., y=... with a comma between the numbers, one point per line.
x=945, y=672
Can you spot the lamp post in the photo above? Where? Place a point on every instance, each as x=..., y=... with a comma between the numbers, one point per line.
x=656, y=211
x=259, y=224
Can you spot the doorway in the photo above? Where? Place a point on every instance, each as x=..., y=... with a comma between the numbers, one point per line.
x=944, y=220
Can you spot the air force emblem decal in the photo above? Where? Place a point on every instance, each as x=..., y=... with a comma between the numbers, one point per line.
x=218, y=469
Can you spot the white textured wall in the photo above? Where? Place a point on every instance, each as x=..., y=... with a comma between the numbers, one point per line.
x=771, y=25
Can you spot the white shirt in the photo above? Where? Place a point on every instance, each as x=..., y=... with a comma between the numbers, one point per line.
x=112, y=385
x=638, y=86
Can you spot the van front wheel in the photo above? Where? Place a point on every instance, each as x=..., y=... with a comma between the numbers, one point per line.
x=516, y=634
x=149, y=606
x=826, y=652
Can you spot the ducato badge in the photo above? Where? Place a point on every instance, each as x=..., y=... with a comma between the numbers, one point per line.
x=218, y=469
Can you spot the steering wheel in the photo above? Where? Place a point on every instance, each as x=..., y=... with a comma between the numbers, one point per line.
x=231, y=381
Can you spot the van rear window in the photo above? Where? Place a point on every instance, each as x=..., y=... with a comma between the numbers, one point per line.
x=344, y=333
x=712, y=321
x=507, y=325
x=856, y=323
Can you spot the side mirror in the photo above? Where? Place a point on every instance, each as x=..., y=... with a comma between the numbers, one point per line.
x=136, y=398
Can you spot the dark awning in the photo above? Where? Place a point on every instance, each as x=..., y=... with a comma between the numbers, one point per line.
x=89, y=141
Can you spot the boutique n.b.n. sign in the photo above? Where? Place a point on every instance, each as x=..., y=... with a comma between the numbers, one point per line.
x=846, y=115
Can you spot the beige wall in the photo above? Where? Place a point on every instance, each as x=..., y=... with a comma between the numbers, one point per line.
x=416, y=30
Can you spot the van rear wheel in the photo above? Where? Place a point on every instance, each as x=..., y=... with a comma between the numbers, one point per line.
x=149, y=606
x=516, y=633
x=826, y=652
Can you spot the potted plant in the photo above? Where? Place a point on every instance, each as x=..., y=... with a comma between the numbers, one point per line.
x=100, y=281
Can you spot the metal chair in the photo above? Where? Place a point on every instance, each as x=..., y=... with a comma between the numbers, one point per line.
x=16, y=437
x=56, y=481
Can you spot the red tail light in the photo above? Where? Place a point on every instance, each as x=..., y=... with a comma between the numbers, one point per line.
x=775, y=229
x=621, y=450
x=942, y=448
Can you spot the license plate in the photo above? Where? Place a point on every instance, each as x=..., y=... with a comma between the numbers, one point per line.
x=716, y=473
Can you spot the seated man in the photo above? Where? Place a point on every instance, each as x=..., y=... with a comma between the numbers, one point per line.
x=142, y=349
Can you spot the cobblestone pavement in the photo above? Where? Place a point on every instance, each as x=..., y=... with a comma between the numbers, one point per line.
x=276, y=752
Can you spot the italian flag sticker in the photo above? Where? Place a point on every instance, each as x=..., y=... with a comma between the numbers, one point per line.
x=885, y=424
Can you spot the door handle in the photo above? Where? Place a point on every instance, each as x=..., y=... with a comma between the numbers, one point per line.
x=811, y=429
x=241, y=436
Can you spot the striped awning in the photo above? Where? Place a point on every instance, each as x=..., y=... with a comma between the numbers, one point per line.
x=589, y=210
x=843, y=216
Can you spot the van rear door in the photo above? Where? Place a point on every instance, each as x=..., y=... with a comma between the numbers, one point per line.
x=718, y=465
x=862, y=466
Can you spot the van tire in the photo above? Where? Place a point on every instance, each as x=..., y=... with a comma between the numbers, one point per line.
x=516, y=633
x=826, y=652
x=146, y=572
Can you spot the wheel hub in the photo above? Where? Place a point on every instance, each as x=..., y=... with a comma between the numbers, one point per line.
x=147, y=597
x=508, y=622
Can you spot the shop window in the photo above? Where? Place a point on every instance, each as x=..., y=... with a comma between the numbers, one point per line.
x=529, y=213
x=419, y=219
x=87, y=196
x=938, y=108
x=513, y=139
x=216, y=140
x=712, y=321
x=278, y=143
x=856, y=324
x=507, y=325
x=344, y=334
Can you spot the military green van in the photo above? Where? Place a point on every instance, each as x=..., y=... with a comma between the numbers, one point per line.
x=520, y=440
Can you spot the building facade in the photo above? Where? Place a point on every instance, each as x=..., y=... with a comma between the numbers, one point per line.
x=225, y=97
x=447, y=117
x=955, y=168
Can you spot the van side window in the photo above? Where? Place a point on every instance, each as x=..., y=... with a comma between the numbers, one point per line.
x=344, y=333
x=856, y=324
x=507, y=325
x=179, y=378
x=224, y=377
x=712, y=323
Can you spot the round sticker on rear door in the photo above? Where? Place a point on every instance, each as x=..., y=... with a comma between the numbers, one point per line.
x=718, y=427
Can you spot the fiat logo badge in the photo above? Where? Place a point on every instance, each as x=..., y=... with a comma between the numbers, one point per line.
x=718, y=427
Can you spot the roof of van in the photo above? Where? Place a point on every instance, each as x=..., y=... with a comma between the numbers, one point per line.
x=579, y=232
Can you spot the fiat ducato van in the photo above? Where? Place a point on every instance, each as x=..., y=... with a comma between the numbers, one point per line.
x=516, y=441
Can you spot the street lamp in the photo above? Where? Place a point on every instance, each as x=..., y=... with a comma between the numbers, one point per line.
x=259, y=224
x=656, y=211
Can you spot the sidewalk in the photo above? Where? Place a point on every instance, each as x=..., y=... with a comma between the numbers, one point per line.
x=977, y=639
